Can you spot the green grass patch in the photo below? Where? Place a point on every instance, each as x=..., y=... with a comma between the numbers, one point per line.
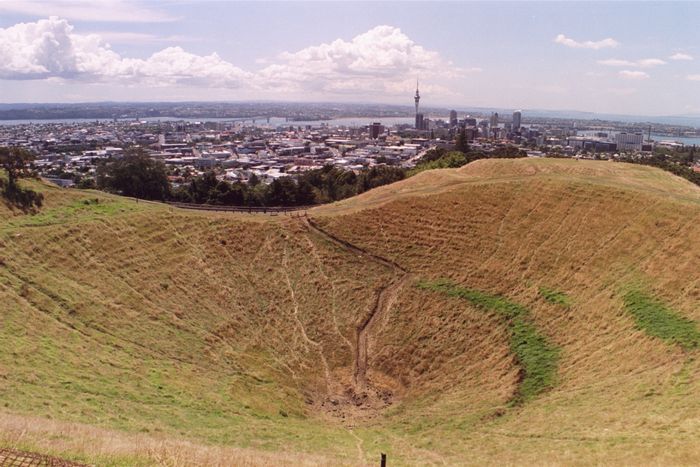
x=83, y=209
x=555, y=297
x=536, y=356
x=657, y=320
x=449, y=160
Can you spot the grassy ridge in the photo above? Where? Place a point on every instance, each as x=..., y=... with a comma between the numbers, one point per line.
x=536, y=356
x=654, y=318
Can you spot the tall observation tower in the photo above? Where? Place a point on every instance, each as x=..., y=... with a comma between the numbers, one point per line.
x=419, y=116
x=416, y=97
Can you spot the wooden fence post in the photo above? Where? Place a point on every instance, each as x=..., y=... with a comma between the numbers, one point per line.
x=383, y=461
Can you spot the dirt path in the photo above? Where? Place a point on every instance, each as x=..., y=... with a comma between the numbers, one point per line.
x=350, y=247
x=383, y=301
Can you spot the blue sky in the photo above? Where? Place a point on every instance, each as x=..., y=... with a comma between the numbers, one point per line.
x=623, y=57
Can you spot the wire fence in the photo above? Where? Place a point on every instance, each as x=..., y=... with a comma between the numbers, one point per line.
x=15, y=458
x=247, y=209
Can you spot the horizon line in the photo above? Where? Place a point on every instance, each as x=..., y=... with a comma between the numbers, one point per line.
x=461, y=107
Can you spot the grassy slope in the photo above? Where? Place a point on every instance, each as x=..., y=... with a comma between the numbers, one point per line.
x=179, y=324
x=589, y=230
x=138, y=318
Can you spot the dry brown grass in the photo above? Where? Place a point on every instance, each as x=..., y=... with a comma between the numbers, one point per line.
x=538, y=226
x=151, y=319
x=481, y=172
x=235, y=329
x=105, y=447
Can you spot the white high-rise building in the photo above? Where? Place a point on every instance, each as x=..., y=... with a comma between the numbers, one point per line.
x=629, y=141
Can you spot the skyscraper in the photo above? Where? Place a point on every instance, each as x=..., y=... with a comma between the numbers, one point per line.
x=493, y=124
x=453, y=118
x=375, y=129
x=517, y=116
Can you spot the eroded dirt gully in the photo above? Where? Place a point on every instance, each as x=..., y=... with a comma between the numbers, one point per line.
x=360, y=393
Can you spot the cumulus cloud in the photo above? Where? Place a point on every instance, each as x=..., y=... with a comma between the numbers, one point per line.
x=681, y=56
x=50, y=49
x=629, y=74
x=381, y=61
x=175, y=66
x=643, y=63
x=377, y=61
x=595, y=45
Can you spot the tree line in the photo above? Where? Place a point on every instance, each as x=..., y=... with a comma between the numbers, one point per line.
x=139, y=176
x=442, y=158
x=317, y=186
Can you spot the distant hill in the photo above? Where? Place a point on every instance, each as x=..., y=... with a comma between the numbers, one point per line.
x=692, y=120
x=227, y=110
x=508, y=312
x=295, y=110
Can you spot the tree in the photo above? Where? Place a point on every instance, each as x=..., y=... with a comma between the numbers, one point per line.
x=17, y=164
x=282, y=192
x=235, y=196
x=253, y=180
x=202, y=187
x=84, y=183
x=508, y=152
x=135, y=175
x=377, y=176
x=219, y=193
x=257, y=195
x=432, y=155
x=305, y=193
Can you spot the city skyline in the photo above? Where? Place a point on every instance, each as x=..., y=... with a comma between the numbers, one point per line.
x=502, y=55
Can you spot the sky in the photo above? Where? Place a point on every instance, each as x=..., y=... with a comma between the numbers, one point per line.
x=606, y=57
